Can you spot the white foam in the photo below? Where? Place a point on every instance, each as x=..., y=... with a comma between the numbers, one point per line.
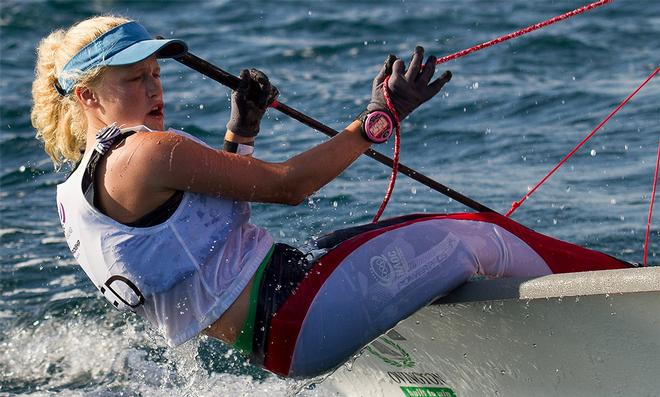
x=113, y=353
x=64, y=281
x=74, y=293
x=31, y=262
x=20, y=291
x=53, y=240
x=10, y=230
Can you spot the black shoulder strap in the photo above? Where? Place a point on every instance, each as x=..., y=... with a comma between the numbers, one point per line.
x=90, y=169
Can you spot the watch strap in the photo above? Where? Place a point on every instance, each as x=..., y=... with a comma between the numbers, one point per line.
x=238, y=148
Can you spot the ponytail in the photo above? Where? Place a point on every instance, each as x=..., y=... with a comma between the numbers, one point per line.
x=59, y=119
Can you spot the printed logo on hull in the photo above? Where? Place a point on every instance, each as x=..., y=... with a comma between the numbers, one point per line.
x=423, y=391
x=390, y=352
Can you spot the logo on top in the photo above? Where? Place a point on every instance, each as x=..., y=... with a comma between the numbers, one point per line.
x=60, y=210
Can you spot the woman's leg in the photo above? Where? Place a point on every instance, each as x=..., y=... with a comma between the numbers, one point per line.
x=369, y=282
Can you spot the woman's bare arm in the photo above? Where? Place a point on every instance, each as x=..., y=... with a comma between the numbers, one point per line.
x=173, y=162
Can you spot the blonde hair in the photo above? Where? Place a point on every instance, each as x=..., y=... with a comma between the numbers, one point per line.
x=60, y=120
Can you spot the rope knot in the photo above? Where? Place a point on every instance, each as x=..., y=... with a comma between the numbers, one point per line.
x=514, y=206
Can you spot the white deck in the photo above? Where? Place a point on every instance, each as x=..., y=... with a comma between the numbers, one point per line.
x=578, y=334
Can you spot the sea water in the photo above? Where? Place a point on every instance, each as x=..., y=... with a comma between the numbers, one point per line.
x=509, y=114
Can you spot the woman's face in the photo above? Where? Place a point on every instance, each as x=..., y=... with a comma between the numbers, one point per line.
x=132, y=95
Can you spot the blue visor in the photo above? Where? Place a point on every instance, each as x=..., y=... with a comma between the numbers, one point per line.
x=125, y=44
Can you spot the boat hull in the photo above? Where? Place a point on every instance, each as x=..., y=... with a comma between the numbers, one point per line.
x=591, y=333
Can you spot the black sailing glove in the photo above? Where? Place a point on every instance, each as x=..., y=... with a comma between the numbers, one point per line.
x=249, y=102
x=408, y=88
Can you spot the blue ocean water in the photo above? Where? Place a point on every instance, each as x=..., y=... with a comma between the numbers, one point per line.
x=509, y=114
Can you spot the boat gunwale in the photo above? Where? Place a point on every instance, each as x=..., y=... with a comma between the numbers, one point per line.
x=601, y=282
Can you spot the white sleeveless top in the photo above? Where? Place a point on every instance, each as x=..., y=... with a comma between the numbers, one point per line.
x=181, y=275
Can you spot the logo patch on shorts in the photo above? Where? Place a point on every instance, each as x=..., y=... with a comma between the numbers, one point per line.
x=388, y=267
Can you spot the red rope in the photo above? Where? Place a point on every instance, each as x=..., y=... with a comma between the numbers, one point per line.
x=397, y=146
x=395, y=165
x=648, y=223
x=522, y=31
x=517, y=204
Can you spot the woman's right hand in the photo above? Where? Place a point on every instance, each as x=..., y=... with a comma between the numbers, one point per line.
x=408, y=88
x=249, y=103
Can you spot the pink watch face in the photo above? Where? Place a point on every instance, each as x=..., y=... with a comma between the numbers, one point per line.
x=378, y=126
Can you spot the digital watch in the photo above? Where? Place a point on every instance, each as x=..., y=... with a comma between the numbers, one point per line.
x=377, y=125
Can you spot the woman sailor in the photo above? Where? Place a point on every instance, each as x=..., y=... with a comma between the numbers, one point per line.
x=160, y=221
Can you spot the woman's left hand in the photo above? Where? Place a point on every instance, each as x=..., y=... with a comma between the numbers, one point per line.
x=249, y=103
x=408, y=88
